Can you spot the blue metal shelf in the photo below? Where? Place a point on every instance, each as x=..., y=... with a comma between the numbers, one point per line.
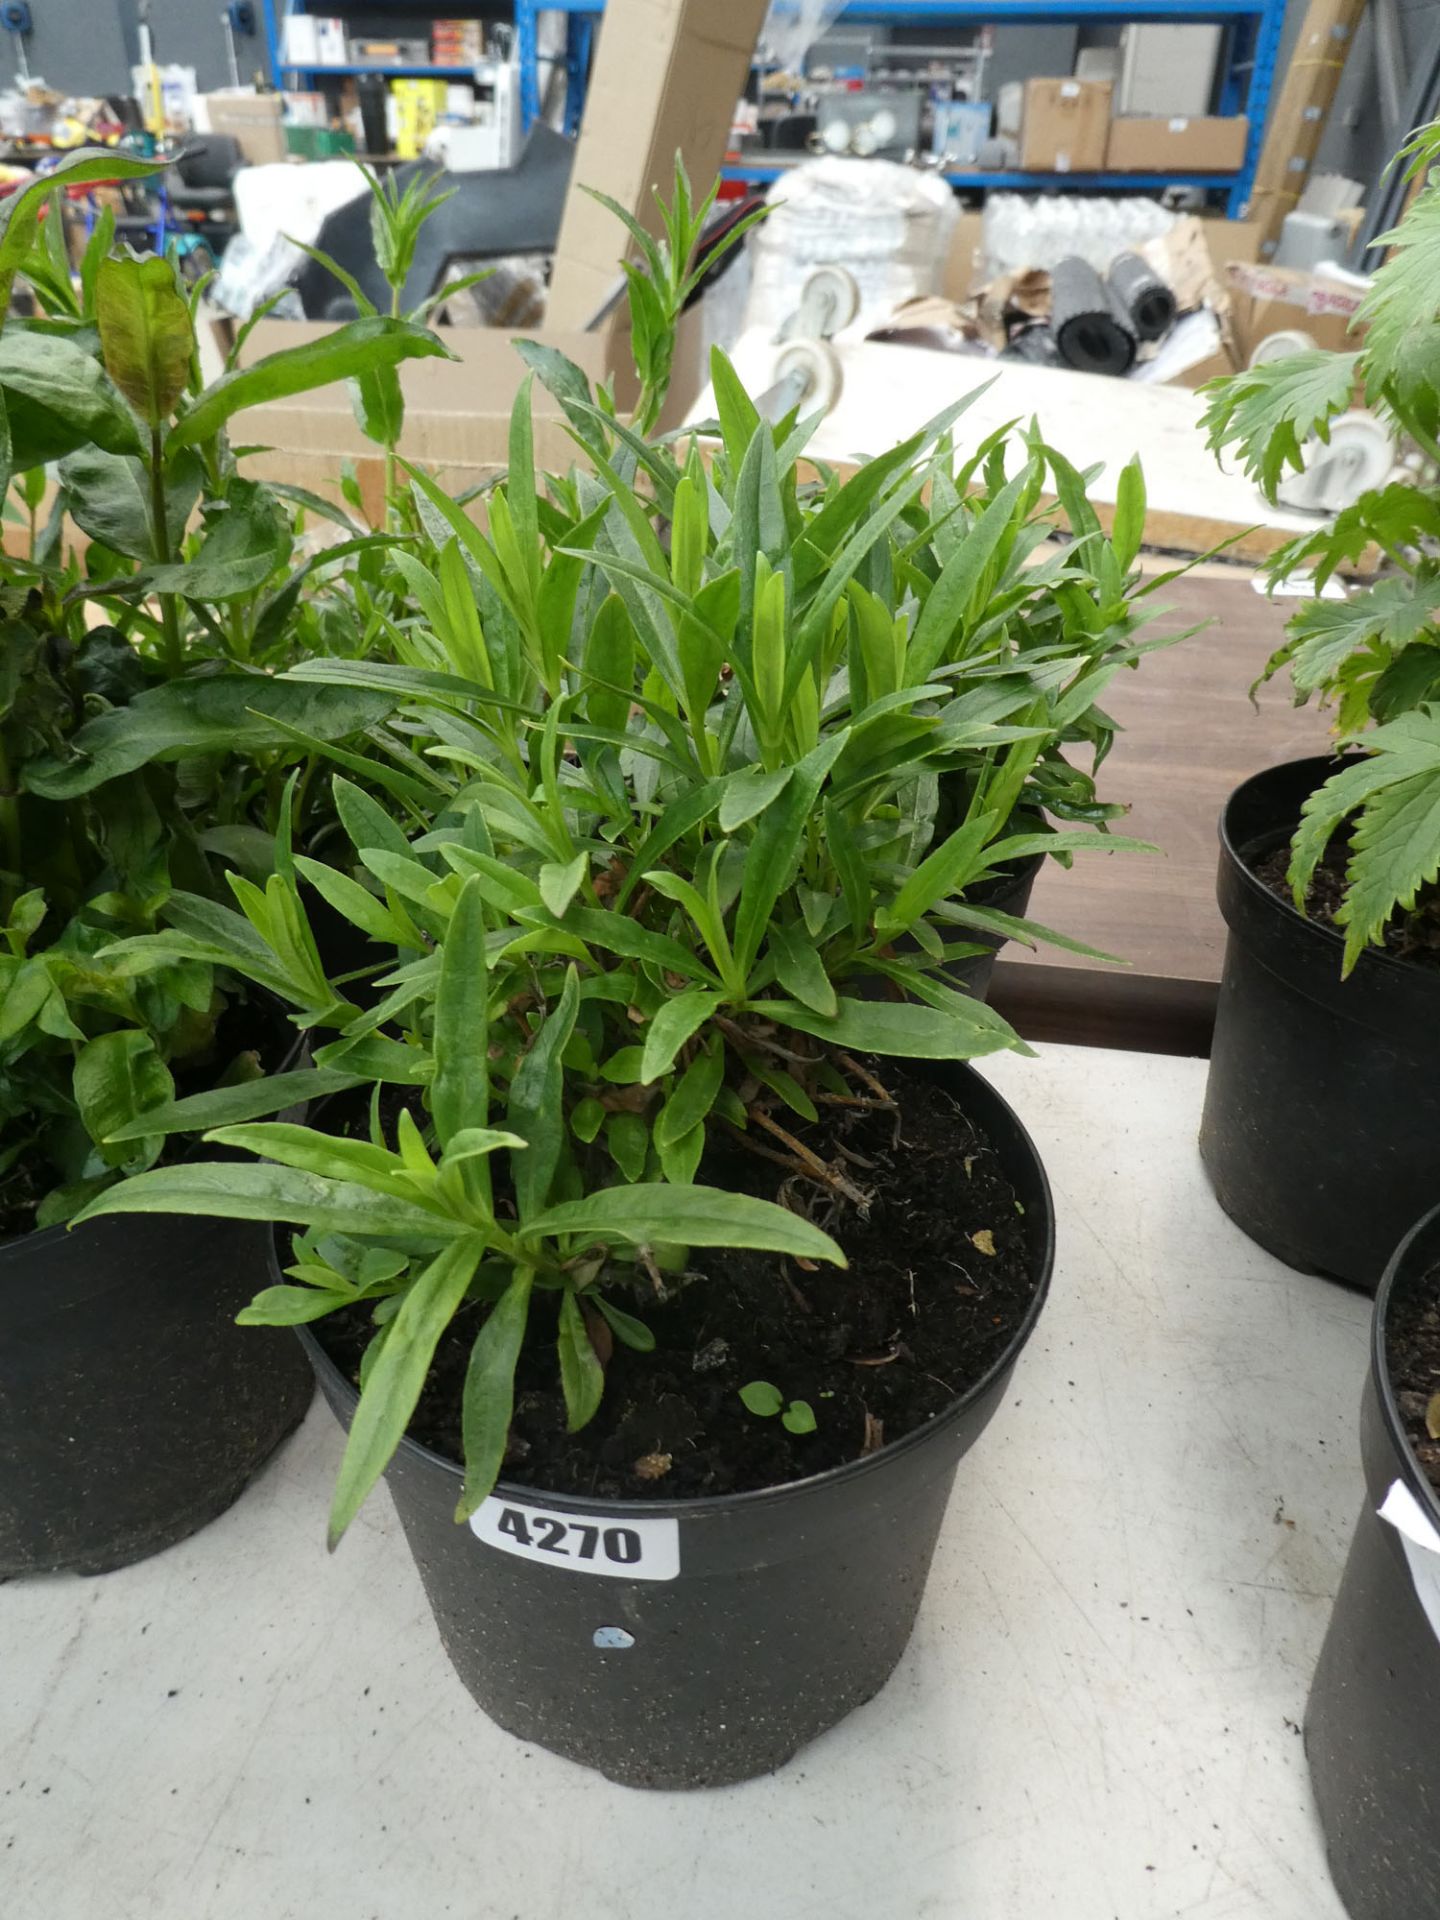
x=481, y=71
x=761, y=174
x=1009, y=12
x=581, y=16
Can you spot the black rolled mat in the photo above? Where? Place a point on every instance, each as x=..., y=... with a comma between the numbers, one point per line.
x=1143, y=295
x=1091, y=332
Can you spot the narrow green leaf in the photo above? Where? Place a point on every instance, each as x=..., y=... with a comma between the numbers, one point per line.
x=460, y=1094
x=581, y=1375
x=392, y=1390
x=227, y=1106
x=291, y=1306
x=353, y=349
x=903, y=1029
x=773, y=853
x=535, y=1110
x=356, y=903
x=488, y=1403
x=801, y=972
x=626, y=1328
x=237, y=1191
x=1127, y=528
x=674, y=1023
x=942, y=872
x=695, y=1094
x=948, y=604
x=687, y=1216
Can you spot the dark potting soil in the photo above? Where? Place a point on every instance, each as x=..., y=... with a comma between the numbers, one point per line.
x=938, y=1281
x=1413, y=936
x=1412, y=1351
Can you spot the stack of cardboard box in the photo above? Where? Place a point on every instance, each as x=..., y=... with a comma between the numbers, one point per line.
x=1069, y=127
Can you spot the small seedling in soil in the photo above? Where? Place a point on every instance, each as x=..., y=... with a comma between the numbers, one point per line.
x=766, y=1401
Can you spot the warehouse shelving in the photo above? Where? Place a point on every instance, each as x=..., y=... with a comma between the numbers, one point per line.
x=1251, y=47
x=579, y=40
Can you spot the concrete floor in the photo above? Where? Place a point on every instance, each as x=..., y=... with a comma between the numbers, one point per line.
x=1098, y=1718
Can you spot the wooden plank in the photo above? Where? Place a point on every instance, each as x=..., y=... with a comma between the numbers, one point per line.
x=1191, y=734
x=1297, y=123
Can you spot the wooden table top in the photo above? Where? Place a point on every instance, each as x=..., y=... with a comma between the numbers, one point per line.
x=1191, y=734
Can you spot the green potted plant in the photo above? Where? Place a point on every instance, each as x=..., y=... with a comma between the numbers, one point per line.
x=145, y=743
x=624, y=1109
x=1322, y=1108
x=1376, y=1689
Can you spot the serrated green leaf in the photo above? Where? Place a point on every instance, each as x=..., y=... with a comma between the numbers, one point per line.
x=1394, y=852
x=1267, y=414
x=1324, y=633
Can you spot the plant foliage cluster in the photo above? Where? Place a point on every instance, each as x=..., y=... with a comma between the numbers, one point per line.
x=1375, y=656
x=669, y=791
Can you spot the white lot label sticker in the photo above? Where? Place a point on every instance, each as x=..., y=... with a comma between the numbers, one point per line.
x=1422, y=1546
x=618, y=1549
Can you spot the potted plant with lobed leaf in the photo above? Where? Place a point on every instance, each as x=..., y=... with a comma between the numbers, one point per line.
x=623, y=1114
x=1321, y=1131
x=1376, y=1691
x=145, y=744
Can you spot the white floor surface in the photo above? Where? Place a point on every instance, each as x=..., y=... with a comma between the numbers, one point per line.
x=1098, y=1718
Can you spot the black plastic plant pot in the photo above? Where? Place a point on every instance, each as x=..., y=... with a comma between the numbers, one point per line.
x=1010, y=894
x=1321, y=1129
x=132, y=1408
x=1375, y=1702
x=697, y=1643
x=1007, y=893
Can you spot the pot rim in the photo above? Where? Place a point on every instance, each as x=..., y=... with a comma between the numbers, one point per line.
x=1420, y=1247
x=709, y=1506
x=1374, y=960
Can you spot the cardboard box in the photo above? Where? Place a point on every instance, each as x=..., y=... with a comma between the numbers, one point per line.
x=964, y=269
x=1229, y=240
x=457, y=412
x=665, y=79
x=253, y=120
x=1065, y=126
x=1146, y=144
x=1266, y=300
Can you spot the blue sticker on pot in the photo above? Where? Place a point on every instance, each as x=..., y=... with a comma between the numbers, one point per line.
x=617, y=1549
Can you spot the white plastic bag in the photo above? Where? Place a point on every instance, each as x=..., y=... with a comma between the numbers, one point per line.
x=887, y=224
x=792, y=27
